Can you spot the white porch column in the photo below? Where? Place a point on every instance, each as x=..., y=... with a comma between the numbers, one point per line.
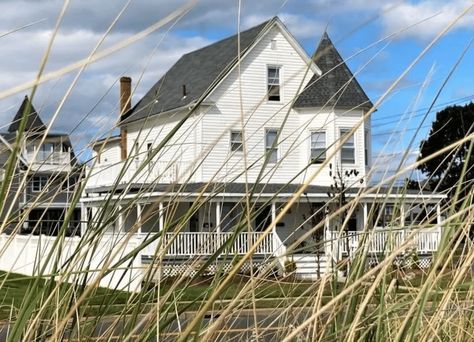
x=402, y=215
x=365, y=215
x=139, y=218
x=218, y=217
x=439, y=220
x=274, y=236
x=161, y=222
x=119, y=220
x=84, y=218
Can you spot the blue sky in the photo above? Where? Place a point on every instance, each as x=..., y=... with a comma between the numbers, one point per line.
x=353, y=25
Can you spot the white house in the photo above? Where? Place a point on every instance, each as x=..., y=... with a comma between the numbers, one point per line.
x=265, y=125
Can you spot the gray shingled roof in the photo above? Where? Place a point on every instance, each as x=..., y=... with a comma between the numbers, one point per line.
x=33, y=121
x=198, y=71
x=336, y=87
x=241, y=188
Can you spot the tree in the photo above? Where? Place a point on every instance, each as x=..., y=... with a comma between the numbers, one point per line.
x=452, y=124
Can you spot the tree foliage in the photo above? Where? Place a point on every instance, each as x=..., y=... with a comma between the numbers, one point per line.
x=445, y=170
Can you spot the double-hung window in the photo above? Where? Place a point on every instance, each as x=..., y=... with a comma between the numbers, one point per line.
x=39, y=183
x=271, y=145
x=273, y=83
x=236, y=141
x=348, y=148
x=318, y=147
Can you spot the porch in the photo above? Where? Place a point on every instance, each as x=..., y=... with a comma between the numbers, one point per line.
x=182, y=229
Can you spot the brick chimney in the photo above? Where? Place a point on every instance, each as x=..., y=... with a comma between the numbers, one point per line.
x=125, y=106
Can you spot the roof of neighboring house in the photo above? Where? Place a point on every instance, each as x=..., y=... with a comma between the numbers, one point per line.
x=197, y=71
x=34, y=129
x=33, y=121
x=106, y=140
x=337, y=86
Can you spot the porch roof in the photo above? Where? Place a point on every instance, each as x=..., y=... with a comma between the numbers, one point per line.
x=270, y=189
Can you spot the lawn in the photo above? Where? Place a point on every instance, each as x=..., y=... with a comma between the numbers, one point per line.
x=269, y=293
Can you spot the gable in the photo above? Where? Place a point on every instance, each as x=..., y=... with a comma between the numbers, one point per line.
x=197, y=73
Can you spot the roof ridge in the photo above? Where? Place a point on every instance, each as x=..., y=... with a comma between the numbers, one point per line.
x=229, y=37
x=198, y=70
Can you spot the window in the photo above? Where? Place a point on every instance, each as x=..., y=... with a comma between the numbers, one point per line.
x=39, y=183
x=236, y=141
x=273, y=79
x=348, y=149
x=318, y=147
x=137, y=150
x=273, y=44
x=271, y=145
x=149, y=156
x=149, y=150
x=45, y=151
x=69, y=184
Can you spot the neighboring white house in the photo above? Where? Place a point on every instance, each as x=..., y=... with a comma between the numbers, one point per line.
x=222, y=124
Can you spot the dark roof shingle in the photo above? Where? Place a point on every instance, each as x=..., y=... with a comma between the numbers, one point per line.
x=336, y=87
x=198, y=71
x=33, y=121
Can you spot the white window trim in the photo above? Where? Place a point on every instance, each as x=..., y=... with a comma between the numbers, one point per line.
x=367, y=147
x=341, y=134
x=267, y=129
x=280, y=74
x=241, y=150
x=325, y=144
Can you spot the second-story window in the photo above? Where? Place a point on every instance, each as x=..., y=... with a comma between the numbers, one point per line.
x=39, y=183
x=236, y=141
x=348, y=148
x=318, y=147
x=273, y=83
x=271, y=145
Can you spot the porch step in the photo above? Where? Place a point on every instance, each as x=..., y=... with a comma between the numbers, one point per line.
x=307, y=265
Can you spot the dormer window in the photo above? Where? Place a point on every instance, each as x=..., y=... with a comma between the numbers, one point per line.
x=273, y=83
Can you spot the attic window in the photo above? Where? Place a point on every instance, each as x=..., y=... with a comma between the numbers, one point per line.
x=273, y=44
x=273, y=83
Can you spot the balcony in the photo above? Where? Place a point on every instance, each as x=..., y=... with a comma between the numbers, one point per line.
x=49, y=161
x=167, y=172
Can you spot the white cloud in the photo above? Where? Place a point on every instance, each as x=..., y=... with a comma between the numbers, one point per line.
x=438, y=15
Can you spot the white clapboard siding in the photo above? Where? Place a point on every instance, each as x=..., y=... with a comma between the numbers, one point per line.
x=206, y=135
x=109, y=153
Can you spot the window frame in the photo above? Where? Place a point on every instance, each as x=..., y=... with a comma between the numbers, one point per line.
x=366, y=146
x=42, y=185
x=276, y=148
x=342, y=132
x=268, y=85
x=233, y=143
x=311, y=148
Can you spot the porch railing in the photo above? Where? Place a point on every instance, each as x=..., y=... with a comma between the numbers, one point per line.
x=208, y=243
x=382, y=241
x=157, y=171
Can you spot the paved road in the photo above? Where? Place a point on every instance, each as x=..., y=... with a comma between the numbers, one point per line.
x=237, y=327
